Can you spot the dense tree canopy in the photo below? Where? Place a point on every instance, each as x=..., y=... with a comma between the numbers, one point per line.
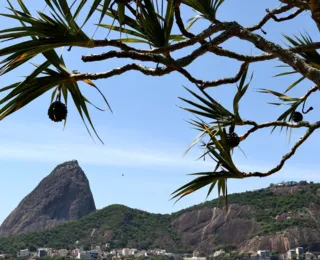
x=151, y=33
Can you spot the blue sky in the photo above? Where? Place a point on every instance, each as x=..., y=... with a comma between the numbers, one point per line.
x=146, y=136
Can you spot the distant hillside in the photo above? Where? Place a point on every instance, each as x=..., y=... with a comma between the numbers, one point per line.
x=275, y=218
x=118, y=225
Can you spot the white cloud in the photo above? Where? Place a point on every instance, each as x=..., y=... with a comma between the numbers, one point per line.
x=93, y=154
x=53, y=145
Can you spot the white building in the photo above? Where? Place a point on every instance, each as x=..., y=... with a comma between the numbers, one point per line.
x=292, y=254
x=24, y=253
x=299, y=251
x=219, y=252
x=125, y=251
x=63, y=252
x=41, y=252
x=159, y=252
x=133, y=251
x=264, y=253
x=113, y=252
x=86, y=255
x=194, y=258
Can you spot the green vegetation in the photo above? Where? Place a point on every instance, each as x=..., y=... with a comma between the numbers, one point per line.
x=129, y=227
x=266, y=205
x=125, y=227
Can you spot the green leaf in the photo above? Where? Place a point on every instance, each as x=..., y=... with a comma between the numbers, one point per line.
x=207, y=8
x=240, y=93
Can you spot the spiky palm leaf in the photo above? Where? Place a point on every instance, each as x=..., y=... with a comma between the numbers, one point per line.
x=210, y=109
x=207, y=108
x=242, y=89
x=310, y=57
x=217, y=147
x=147, y=26
x=206, y=9
x=47, y=33
x=222, y=155
x=294, y=103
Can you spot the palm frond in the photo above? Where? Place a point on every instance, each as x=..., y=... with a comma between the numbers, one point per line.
x=207, y=9
x=310, y=57
x=294, y=103
x=47, y=33
x=242, y=88
x=221, y=154
x=148, y=25
x=43, y=78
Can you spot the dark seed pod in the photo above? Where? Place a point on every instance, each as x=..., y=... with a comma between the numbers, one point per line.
x=232, y=140
x=57, y=111
x=297, y=117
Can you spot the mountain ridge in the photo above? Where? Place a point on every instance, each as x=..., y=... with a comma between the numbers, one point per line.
x=275, y=218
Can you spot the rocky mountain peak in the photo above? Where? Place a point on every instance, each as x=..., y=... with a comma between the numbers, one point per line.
x=61, y=196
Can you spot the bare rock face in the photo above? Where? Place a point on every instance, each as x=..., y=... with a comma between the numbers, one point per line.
x=285, y=240
x=208, y=227
x=62, y=196
x=205, y=229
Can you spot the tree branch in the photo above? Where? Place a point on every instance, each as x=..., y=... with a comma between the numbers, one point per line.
x=278, y=123
x=174, y=47
x=287, y=156
x=270, y=15
x=205, y=84
x=137, y=67
x=284, y=55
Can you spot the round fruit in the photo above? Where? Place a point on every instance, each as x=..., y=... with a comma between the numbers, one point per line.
x=297, y=117
x=57, y=111
x=233, y=140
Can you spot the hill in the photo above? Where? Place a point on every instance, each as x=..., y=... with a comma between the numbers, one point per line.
x=61, y=196
x=276, y=218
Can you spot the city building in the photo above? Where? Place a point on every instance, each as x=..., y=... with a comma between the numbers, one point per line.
x=292, y=254
x=84, y=255
x=309, y=256
x=41, y=252
x=159, y=252
x=63, y=252
x=263, y=254
x=219, y=252
x=125, y=251
x=133, y=251
x=194, y=258
x=299, y=251
x=141, y=253
x=113, y=252
x=23, y=253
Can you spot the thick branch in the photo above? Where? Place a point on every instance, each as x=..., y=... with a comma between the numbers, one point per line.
x=270, y=15
x=287, y=156
x=272, y=124
x=285, y=55
x=263, y=57
x=137, y=67
x=314, y=6
x=278, y=123
x=179, y=21
x=205, y=84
